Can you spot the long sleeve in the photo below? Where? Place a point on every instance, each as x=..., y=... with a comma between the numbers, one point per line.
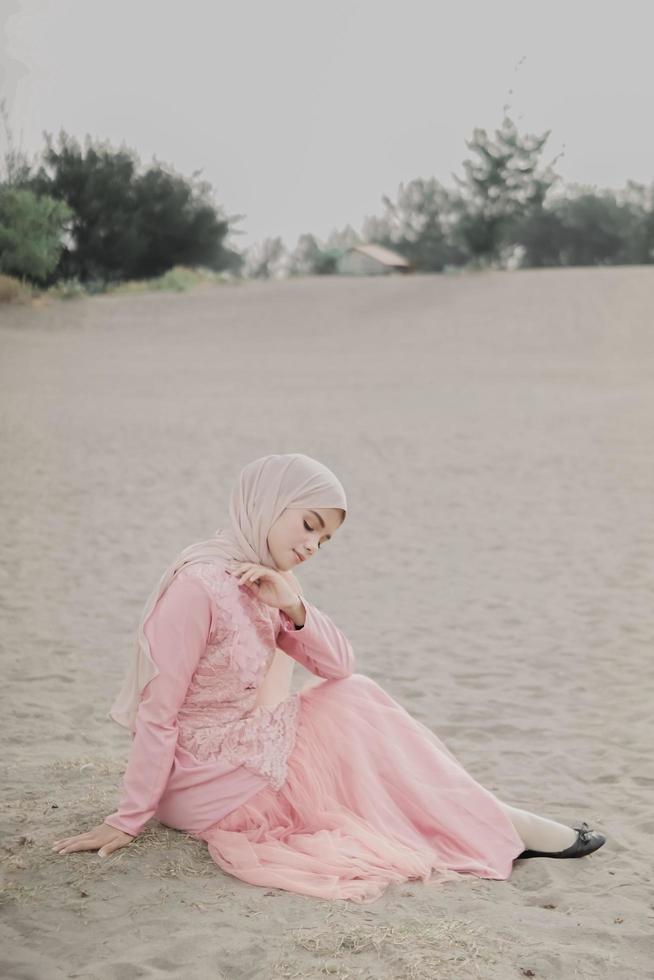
x=318, y=645
x=177, y=632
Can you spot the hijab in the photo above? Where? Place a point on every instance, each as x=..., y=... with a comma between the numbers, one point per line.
x=263, y=490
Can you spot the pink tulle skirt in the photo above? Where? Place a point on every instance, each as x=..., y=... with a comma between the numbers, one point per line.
x=372, y=797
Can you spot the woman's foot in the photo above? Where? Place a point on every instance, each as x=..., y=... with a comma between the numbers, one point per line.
x=586, y=841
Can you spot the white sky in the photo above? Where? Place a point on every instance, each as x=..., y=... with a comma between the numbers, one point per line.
x=302, y=114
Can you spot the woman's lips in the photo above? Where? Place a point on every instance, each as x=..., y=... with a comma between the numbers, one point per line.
x=298, y=556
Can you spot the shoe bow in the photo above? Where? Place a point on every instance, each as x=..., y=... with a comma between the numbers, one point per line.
x=584, y=832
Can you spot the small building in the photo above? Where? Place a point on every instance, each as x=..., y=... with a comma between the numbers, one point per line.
x=371, y=260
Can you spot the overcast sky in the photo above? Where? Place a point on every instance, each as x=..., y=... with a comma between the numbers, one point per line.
x=302, y=114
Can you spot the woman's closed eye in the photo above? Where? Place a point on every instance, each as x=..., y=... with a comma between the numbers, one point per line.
x=307, y=526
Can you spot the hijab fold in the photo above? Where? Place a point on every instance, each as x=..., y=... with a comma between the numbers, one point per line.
x=264, y=489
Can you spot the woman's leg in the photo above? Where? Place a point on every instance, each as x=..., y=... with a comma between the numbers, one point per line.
x=539, y=833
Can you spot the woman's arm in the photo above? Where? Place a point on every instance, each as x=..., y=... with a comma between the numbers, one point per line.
x=318, y=644
x=177, y=631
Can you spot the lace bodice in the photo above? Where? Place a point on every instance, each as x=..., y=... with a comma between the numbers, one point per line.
x=213, y=642
x=219, y=716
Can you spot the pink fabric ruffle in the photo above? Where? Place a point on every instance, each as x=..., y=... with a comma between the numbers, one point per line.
x=372, y=797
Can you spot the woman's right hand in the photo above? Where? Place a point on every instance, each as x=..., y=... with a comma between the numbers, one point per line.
x=103, y=838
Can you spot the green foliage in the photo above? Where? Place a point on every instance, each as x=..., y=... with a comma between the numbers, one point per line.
x=588, y=227
x=636, y=202
x=68, y=289
x=31, y=231
x=340, y=240
x=436, y=228
x=592, y=229
x=266, y=259
x=311, y=258
x=177, y=223
x=326, y=263
x=128, y=224
x=15, y=167
x=420, y=225
x=508, y=204
x=90, y=218
x=501, y=187
x=176, y=280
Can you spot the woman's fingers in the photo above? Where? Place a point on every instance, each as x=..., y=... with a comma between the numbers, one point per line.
x=67, y=841
x=105, y=838
x=247, y=568
x=77, y=846
x=80, y=843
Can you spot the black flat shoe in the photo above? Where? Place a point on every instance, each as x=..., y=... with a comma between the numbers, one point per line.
x=587, y=841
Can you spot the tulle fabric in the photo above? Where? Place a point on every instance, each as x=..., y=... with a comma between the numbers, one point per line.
x=372, y=796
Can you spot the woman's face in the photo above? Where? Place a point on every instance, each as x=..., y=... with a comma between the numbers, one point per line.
x=301, y=531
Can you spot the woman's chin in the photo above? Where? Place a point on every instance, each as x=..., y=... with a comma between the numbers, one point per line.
x=288, y=565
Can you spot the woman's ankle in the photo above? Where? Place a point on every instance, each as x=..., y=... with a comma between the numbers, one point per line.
x=539, y=833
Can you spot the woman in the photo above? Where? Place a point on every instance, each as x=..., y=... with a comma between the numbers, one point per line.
x=334, y=791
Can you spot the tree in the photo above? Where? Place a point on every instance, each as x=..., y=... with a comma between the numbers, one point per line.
x=31, y=231
x=420, y=225
x=267, y=259
x=15, y=165
x=128, y=224
x=304, y=256
x=540, y=234
x=637, y=203
x=340, y=241
x=97, y=183
x=593, y=227
x=179, y=223
x=583, y=226
x=501, y=187
x=311, y=258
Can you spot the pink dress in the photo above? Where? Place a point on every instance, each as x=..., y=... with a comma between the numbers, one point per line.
x=335, y=792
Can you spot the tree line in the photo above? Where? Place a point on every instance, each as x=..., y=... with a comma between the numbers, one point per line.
x=94, y=214
x=507, y=209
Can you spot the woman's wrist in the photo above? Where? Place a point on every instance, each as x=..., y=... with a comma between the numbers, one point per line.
x=296, y=612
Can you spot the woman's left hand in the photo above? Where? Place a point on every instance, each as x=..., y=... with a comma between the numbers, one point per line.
x=267, y=584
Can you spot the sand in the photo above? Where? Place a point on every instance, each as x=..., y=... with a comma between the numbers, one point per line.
x=495, y=435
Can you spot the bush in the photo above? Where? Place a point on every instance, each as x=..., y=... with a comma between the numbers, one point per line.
x=590, y=227
x=12, y=290
x=67, y=289
x=31, y=230
x=176, y=280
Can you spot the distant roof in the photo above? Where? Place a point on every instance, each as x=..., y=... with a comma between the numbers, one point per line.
x=381, y=254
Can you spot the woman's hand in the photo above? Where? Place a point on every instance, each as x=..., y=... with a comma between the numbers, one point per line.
x=267, y=584
x=104, y=837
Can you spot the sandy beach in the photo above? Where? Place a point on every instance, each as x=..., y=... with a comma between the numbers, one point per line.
x=495, y=436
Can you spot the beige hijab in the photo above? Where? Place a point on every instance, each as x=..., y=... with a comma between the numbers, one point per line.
x=264, y=489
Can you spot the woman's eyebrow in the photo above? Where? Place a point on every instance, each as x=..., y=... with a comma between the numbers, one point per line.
x=322, y=523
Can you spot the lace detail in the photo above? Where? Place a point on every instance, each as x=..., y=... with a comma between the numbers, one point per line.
x=219, y=716
x=262, y=741
x=243, y=626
